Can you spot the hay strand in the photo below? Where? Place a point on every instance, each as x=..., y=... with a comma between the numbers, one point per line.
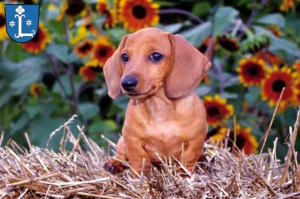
x=78, y=173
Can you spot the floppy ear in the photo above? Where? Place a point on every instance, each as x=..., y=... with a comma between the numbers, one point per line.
x=189, y=66
x=113, y=72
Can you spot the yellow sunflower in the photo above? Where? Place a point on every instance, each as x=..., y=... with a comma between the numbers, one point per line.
x=84, y=48
x=109, y=13
x=102, y=51
x=275, y=30
x=274, y=82
x=286, y=5
x=88, y=27
x=269, y=57
x=36, y=90
x=217, y=134
x=39, y=42
x=138, y=14
x=3, y=34
x=80, y=34
x=245, y=141
x=296, y=66
x=217, y=109
x=296, y=101
x=101, y=7
x=252, y=71
x=87, y=72
x=71, y=8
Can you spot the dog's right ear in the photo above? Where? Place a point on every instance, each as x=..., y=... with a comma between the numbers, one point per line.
x=113, y=72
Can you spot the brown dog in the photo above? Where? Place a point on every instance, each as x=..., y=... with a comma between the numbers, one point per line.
x=158, y=71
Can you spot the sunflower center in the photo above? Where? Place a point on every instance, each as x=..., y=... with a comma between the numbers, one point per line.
x=240, y=141
x=213, y=111
x=102, y=52
x=75, y=7
x=36, y=38
x=38, y=90
x=28, y=1
x=139, y=12
x=2, y=20
x=278, y=85
x=253, y=70
x=86, y=47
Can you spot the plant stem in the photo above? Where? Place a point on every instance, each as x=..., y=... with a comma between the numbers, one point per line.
x=221, y=76
x=237, y=26
x=252, y=16
x=183, y=12
x=55, y=72
x=70, y=70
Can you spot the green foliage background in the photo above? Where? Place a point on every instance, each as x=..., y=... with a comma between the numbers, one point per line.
x=196, y=20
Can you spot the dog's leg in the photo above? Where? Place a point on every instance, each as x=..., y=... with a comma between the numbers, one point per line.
x=136, y=154
x=114, y=165
x=192, y=153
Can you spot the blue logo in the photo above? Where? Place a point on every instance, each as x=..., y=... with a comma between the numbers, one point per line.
x=22, y=21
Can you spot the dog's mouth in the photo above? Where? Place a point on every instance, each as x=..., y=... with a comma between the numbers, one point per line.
x=136, y=95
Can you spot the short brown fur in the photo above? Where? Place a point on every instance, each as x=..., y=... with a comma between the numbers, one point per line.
x=163, y=112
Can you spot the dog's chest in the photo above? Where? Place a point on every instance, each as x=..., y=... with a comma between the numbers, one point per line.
x=165, y=138
x=164, y=131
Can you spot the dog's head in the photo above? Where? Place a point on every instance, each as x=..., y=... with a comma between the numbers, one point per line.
x=151, y=58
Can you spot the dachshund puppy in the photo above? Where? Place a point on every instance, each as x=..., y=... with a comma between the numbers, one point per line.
x=158, y=71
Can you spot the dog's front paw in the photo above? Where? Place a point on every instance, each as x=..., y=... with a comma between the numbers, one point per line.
x=114, y=166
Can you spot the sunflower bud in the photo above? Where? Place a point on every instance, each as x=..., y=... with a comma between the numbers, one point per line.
x=228, y=42
x=256, y=44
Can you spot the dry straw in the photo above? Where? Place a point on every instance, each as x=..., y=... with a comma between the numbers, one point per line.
x=78, y=173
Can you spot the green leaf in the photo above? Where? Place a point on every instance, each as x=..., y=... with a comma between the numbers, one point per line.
x=65, y=80
x=19, y=124
x=166, y=3
x=292, y=23
x=202, y=90
x=283, y=44
x=88, y=110
x=59, y=51
x=274, y=19
x=229, y=95
x=172, y=28
x=18, y=76
x=33, y=111
x=14, y=52
x=116, y=34
x=201, y=8
x=197, y=34
x=121, y=102
x=223, y=19
x=252, y=95
x=29, y=75
x=254, y=5
x=56, y=29
x=103, y=126
x=6, y=93
x=41, y=128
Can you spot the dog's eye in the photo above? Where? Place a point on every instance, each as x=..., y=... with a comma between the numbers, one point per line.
x=156, y=57
x=124, y=58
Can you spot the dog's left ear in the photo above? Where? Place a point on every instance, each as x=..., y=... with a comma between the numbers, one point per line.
x=189, y=66
x=113, y=72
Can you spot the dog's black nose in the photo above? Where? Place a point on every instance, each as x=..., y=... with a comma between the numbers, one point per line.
x=129, y=83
